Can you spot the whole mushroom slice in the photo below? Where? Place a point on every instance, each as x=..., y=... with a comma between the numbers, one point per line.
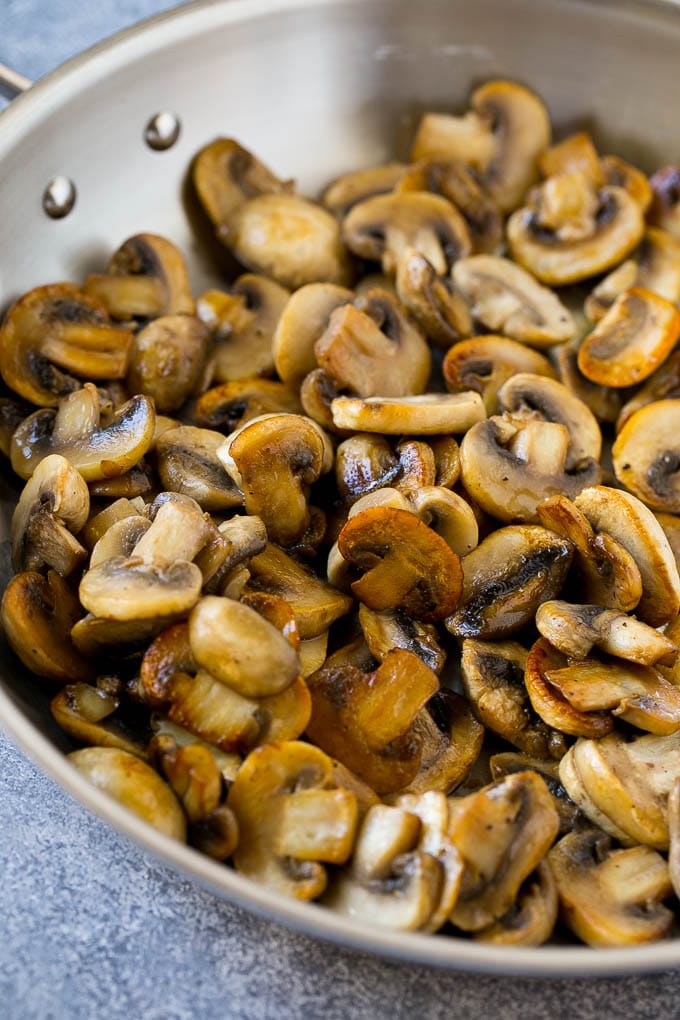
x=611, y=897
x=392, y=629
x=350, y=189
x=292, y=818
x=392, y=882
x=373, y=347
x=665, y=209
x=52, y=509
x=448, y=514
x=317, y=390
x=406, y=565
x=99, y=447
x=133, y=783
x=510, y=465
x=451, y=743
x=535, y=396
x=385, y=227
x=242, y=321
x=507, y=299
x=429, y=414
x=627, y=520
x=507, y=762
x=364, y=463
x=119, y=539
x=88, y=715
x=655, y=266
x=168, y=357
x=54, y=333
x=624, y=175
x=531, y=919
x=492, y=676
x=226, y=407
x=506, y=578
x=301, y=323
x=635, y=336
x=138, y=481
x=551, y=705
x=585, y=806
x=273, y=460
x=187, y=463
x=93, y=636
x=576, y=629
x=500, y=137
x=646, y=455
x=146, y=277
x=484, y=363
x=662, y=384
x=37, y=615
x=502, y=833
x=603, y=401
x=441, y=313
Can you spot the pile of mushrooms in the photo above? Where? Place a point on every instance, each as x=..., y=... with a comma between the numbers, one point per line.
x=360, y=574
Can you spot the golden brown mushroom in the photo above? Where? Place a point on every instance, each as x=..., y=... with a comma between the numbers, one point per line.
x=441, y=313
x=52, y=508
x=167, y=361
x=187, y=463
x=302, y=322
x=146, y=278
x=428, y=414
x=484, y=363
x=350, y=189
x=576, y=629
x=551, y=705
x=646, y=456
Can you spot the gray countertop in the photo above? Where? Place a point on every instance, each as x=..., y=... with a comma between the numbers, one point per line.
x=91, y=926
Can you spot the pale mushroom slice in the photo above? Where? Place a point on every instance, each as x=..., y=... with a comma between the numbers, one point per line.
x=347, y=191
x=646, y=455
x=226, y=175
x=119, y=539
x=54, y=333
x=627, y=520
x=507, y=299
x=665, y=210
x=532, y=918
x=603, y=401
x=146, y=278
x=500, y=138
x=394, y=629
x=611, y=897
x=674, y=836
x=292, y=818
x=551, y=705
x=576, y=629
x=655, y=266
x=385, y=227
x=226, y=407
x=484, y=363
x=168, y=359
x=429, y=414
x=492, y=676
x=510, y=465
x=52, y=508
x=301, y=323
x=537, y=397
x=572, y=783
x=187, y=463
x=391, y=882
x=635, y=336
x=502, y=833
x=440, y=312
x=506, y=763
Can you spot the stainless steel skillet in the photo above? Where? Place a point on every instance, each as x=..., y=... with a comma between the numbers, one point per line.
x=316, y=87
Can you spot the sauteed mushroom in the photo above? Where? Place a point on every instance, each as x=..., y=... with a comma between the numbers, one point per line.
x=654, y=267
x=484, y=363
x=531, y=919
x=301, y=323
x=88, y=715
x=576, y=630
x=440, y=312
x=188, y=463
x=52, y=509
x=551, y=705
x=646, y=456
x=428, y=414
x=226, y=407
x=665, y=211
x=146, y=278
x=352, y=188
x=392, y=629
x=167, y=360
x=226, y=175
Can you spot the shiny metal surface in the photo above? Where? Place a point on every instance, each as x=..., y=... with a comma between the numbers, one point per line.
x=315, y=87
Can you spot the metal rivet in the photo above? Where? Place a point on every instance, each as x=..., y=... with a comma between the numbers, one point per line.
x=59, y=197
x=162, y=131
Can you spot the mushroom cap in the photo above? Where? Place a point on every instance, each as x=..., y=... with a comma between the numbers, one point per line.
x=226, y=175
x=484, y=363
x=127, y=588
x=149, y=255
x=531, y=919
x=188, y=463
x=646, y=457
x=302, y=322
x=228, y=406
x=345, y=192
x=428, y=414
x=167, y=360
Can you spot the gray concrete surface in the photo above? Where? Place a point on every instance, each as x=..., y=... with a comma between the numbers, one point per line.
x=91, y=927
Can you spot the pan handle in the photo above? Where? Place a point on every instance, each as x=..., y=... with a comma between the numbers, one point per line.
x=12, y=83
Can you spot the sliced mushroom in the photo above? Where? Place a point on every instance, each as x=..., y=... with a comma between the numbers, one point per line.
x=133, y=783
x=52, y=509
x=55, y=333
x=662, y=384
x=12, y=413
x=441, y=313
x=350, y=189
x=531, y=919
x=385, y=227
x=611, y=897
x=484, y=363
x=507, y=299
x=167, y=360
x=551, y=705
x=576, y=629
x=574, y=153
x=138, y=481
x=226, y=175
x=228, y=406
x=671, y=529
x=500, y=138
x=449, y=515
x=242, y=323
x=388, y=630
x=510, y=465
x=317, y=391
x=188, y=463
x=291, y=817
x=492, y=675
x=37, y=615
x=502, y=833
x=604, y=402
x=88, y=715
x=364, y=463
x=654, y=267
x=625, y=175
x=374, y=348
x=119, y=539
x=429, y=414
x=646, y=456
x=674, y=836
x=191, y=772
x=301, y=323
x=665, y=211
x=451, y=743
x=146, y=278
x=508, y=762
x=98, y=448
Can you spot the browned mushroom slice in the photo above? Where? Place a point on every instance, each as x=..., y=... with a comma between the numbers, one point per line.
x=54, y=333
x=492, y=674
x=604, y=402
x=646, y=455
x=665, y=211
x=551, y=705
x=37, y=615
x=317, y=392
x=364, y=463
x=576, y=629
x=146, y=278
x=446, y=460
x=226, y=175
x=624, y=175
x=192, y=773
x=88, y=715
x=535, y=396
x=315, y=603
x=406, y=564
x=663, y=384
x=374, y=348
x=51, y=510
x=506, y=299
x=510, y=465
x=501, y=136
x=99, y=522
x=607, y=573
x=392, y=629
x=441, y=313
x=611, y=897
x=457, y=182
x=484, y=363
x=654, y=267
x=451, y=743
x=508, y=762
x=12, y=413
x=635, y=336
x=531, y=919
x=273, y=460
x=502, y=833
x=188, y=463
x=167, y=360
x=448, y=514
x=226, y=407
x=291, y=817
x=627, y=520
x=428, y=414
x=242, y=322
x=574, y=153
x=350, y=189
x=99, y=447
x=303, y=320
x=545, y=238
x=671, y=529
x=138, y=481
x=383, y=228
